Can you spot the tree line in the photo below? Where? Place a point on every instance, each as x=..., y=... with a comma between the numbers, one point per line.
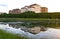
x=31, y=14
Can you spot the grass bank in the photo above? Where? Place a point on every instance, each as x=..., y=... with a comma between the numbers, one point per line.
x=5, y=35
x=23, y=19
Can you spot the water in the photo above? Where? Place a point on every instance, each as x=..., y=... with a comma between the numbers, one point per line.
x=50, y=33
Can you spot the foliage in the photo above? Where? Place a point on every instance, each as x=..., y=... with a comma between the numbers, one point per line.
x=31, y=14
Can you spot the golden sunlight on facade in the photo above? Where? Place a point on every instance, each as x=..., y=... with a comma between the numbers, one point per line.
x=44, y=9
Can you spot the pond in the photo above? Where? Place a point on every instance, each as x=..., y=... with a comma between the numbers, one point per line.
x=34, y=32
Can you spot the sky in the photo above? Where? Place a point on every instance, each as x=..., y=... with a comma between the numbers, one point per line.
x=52, y=5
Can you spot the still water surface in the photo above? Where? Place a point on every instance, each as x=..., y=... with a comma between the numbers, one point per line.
x=50, y=33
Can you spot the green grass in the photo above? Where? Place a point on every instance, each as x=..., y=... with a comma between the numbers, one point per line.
x=22, y=19
x=5, y=35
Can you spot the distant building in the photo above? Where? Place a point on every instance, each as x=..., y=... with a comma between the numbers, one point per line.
x=44, y=9
x=15, y=11
x=34, y=7
x=24, y=9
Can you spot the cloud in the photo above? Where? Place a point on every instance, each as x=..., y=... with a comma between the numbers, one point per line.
x=3, y=5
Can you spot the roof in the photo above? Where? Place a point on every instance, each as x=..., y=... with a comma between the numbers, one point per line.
x=34, y=5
